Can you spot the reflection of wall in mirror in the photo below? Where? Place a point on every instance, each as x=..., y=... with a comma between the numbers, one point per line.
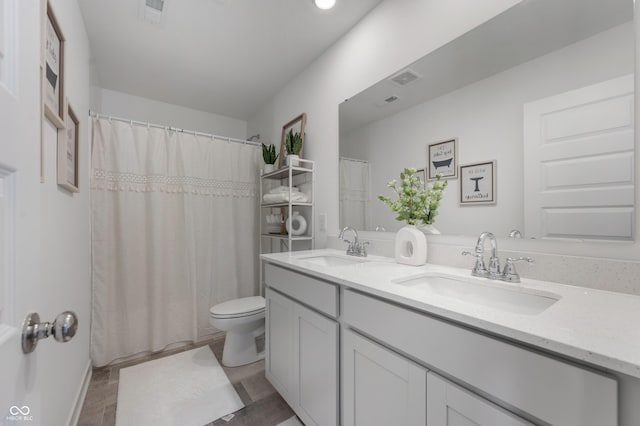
x=486, y=116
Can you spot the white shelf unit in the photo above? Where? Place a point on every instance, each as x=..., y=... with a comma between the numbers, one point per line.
x=301, y=177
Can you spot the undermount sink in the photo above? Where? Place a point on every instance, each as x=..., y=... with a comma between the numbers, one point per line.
x=477, y=292
x=332, y=260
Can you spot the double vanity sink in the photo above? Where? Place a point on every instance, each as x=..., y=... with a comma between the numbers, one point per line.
x=472, y=290
x=357, y=341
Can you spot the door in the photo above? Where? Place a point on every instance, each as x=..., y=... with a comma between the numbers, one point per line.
x=450, y=405
x=279, y=343
x=315, y=345
x=379, y=386
x=579, y=163
x=20, y=281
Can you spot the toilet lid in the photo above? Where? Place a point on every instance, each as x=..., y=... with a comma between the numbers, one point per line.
x=238, y=307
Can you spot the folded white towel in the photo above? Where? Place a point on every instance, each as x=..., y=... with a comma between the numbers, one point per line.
x=281, y=189
x=283, y=197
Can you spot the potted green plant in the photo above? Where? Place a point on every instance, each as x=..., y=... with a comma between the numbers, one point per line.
x=418, y=207
x=269, y=156
x=293, y=145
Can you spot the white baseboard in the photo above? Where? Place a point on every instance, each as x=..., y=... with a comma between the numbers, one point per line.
x=82, y=392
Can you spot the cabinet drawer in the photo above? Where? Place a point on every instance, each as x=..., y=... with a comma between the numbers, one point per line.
x=551, y=390
x=320, y=295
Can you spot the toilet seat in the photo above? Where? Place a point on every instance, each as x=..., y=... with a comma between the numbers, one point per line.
x=238, y=308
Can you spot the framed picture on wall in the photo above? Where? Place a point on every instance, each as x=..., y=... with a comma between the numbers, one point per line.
x=53, y=70
x=442, y=159
x=478, y=183
x=68, y=145
x=297, y=126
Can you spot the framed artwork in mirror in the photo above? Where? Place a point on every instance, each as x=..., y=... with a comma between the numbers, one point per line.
x=421, y=174
x=68, y=144
x=478, y=183
x=297, y=125
x=442, y=159
x=53, y=70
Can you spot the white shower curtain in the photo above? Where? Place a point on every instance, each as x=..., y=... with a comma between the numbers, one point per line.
x=355, y=193
x=175, y=227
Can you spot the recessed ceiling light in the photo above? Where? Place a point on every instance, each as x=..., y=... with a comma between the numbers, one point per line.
x=324, y=4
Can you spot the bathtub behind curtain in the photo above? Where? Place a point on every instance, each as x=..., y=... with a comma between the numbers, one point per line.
x=175, y=231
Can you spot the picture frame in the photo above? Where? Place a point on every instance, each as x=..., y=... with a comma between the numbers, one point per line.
x=53, y=55
x=68, y=147
x=442, y=158
x=297, y=124
x=478, y=183
x=421, y=174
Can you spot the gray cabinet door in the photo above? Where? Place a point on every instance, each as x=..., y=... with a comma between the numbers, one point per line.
x=450, y=405
x=279, y=343
x=379, y=386
x=315, y=364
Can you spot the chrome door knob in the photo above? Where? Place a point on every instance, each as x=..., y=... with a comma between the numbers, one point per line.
x=63, y=329
x=65, y=326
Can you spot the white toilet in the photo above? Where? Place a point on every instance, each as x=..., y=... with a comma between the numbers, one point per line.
x=243, y=320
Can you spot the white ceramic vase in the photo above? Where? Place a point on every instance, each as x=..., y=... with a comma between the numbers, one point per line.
x=411, y=246
x=428, y=229
x=293, y=160
x=296, y=224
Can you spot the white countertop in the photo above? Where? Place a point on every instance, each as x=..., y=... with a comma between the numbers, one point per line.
x=599, y=327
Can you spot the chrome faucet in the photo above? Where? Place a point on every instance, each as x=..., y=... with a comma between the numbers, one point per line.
x=494, y=262
x=515, y=234
x=355, y=247
x=479, y=270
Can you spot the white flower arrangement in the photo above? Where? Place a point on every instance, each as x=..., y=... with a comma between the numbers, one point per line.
x=415, y=204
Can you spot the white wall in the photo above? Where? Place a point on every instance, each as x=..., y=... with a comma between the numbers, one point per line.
x=123, y=105
x=66, y=233
x=395, y=33
x=486, y=117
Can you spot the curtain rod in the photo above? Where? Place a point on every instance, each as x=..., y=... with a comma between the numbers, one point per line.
x=354, y=159
x=175, y=129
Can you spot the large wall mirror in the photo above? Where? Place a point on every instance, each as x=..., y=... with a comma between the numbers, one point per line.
x=544, y=91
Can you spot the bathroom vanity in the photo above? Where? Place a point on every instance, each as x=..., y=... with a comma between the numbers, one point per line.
x=357, y=341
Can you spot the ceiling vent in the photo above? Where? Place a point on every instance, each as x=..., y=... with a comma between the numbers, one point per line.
x=151, y=11
x=405, y=77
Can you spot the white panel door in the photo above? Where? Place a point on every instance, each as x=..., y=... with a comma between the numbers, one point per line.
x=450, y=405
x=579, y=163
x=279, y=343
x=315, y=344
x=22, y=289
x=379, y=386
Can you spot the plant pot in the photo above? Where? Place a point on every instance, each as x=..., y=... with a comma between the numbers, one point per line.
x=268, y=168
x=293, y=160
x=411, y=246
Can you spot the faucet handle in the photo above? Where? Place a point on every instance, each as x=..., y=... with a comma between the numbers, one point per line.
x=509, y=273
x=479, y=270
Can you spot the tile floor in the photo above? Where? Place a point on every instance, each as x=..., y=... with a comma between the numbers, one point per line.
x=263, y=405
